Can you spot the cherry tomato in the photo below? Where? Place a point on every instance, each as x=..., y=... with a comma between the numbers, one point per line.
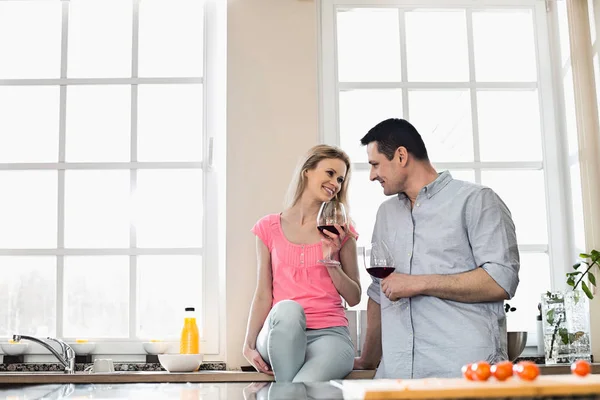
x=502, y=370
x=526, y=370
x=481, y=371
x=581, y=368
x=467, y=372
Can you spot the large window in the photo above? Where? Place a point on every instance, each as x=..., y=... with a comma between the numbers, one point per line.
x=104, y=169
x=475, y=81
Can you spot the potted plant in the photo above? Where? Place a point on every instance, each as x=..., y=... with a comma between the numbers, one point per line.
x=566, y=322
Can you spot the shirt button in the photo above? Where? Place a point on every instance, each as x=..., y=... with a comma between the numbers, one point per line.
x=418, y=204
x=409, y=254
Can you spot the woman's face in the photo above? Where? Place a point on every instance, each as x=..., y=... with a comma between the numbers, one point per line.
x=325, y=180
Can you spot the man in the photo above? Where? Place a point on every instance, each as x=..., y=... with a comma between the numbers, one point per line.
x=456, y=260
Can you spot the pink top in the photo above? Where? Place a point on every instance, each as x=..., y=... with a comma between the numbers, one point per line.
x=297, y=275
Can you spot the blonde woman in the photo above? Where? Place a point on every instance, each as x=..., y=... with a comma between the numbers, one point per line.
x=297, y=329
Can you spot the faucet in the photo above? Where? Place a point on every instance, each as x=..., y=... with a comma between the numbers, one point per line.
x=67, y=358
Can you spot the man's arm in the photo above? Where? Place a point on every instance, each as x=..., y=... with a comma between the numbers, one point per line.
x=493, y=242
x=475, y=286
x=371, y=352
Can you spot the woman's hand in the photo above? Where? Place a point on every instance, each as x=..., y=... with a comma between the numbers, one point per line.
x=332, y=243
x=254, y=358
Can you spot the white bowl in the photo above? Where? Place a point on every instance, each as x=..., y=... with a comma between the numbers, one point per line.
x=82, y=349
x=14, y=349
x=155, y=347
x=181, y=362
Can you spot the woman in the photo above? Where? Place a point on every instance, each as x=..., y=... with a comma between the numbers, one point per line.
x=297, y=328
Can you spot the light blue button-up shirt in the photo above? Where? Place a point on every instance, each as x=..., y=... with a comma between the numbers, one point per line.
x=454, y=227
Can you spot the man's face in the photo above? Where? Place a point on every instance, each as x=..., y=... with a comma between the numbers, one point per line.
x=389, y=173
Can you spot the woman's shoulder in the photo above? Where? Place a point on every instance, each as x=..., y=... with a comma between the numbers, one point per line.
x=269, y=219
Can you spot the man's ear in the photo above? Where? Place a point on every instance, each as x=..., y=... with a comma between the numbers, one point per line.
x=402, y=154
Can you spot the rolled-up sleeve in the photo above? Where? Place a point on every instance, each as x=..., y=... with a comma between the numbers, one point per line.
x=374, y=290
x=493, y=239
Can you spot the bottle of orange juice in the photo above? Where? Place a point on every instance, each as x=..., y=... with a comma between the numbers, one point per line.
x=190, y=338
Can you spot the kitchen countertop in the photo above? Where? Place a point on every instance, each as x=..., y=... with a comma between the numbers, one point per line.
x=120, y=377
x=53, y=377
x=187, y=391
x=179, y=391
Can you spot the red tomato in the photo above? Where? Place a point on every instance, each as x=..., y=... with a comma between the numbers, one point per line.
x=502, y=370
x=467, y=372
x=581, y=368
x=481, y=371
x=526, y=370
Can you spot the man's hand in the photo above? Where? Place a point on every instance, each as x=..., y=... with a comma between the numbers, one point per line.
x=398, y=286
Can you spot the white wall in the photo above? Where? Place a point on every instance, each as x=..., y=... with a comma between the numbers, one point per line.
x=272, y=119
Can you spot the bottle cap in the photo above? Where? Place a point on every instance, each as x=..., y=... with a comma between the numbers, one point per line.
x=190, y=309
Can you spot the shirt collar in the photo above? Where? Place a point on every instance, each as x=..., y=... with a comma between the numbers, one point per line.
x=434, y=187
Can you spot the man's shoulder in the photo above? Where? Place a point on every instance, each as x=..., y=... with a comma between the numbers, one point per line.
x=466, y=189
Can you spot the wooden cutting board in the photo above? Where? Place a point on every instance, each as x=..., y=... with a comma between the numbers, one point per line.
x=545, y=385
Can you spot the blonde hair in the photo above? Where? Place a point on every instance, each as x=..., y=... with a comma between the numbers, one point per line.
x=308, y=162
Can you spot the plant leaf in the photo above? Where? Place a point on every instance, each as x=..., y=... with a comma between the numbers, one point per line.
x=575, y=266
x=595, y=255
x=571, y=281
x=584, y=255
x=550, y=316
x=592, y=278
x=564, y=335
x=587, y=290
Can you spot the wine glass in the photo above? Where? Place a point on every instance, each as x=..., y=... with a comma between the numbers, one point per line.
x=331, y=213
x=378, y=260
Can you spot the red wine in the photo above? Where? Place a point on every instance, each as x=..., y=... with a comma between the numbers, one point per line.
x=380, y=272
x=329, y=228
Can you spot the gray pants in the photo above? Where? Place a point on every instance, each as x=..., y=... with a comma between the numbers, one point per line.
x=296, y=354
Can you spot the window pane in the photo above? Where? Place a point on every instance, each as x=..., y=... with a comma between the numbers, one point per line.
x=443, y=118
x=436, y=38
x=30, y=45
x=513, y=134
x=97, y=209
x=503, y=54
x=534, y=277
x=577, y=209
x=570, y=112
x=365, y=197
x=524, y=194
x=98, y=123
x=96, y=297
x=359, y=60
x=169, y=208
x=28, y=296
x=462, y=174
x=181, y=286
x=171, y=38
x=28, y=209
x=563, y=32
x=23, y=138
x=96, y=51
x=361, y=110
x=170, y=123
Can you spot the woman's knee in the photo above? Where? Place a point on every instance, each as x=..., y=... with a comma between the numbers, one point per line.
x=288, y=312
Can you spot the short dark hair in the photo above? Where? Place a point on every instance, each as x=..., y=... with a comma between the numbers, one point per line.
x=393, y=133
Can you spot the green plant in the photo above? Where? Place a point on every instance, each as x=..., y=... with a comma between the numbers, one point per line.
x=576, y=277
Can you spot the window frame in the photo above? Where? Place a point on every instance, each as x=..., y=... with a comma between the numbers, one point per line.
x=211, y=296
x=553, y=160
